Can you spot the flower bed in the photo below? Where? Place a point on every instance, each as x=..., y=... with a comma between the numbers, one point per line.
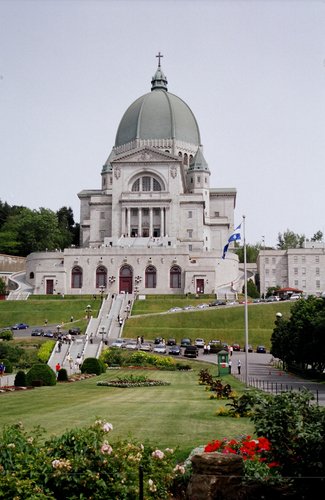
x=132, y=381
x=12, y=388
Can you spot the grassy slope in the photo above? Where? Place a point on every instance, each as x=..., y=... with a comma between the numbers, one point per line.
x=226, y=324
x=177, y=415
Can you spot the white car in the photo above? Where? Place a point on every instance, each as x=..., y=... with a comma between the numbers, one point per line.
x=118, y=343
x=203, y=306
x=160, y=349
x=145, y=346
x=199, y=342
x=131, y=344
x=175, y=309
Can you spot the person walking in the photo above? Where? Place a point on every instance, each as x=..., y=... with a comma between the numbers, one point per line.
x=57, y=369
x=229, y=365
x=239, y=366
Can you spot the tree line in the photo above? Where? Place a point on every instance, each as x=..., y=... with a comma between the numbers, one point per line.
x=23, y=230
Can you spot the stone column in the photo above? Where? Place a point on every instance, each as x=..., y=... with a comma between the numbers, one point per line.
x=124, y=215
x=150, y=222
x=216, y=475
x=139, y=221
x=162, y=222
x=128, y=218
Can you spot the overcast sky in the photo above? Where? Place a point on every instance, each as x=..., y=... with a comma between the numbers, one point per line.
x=252, y=72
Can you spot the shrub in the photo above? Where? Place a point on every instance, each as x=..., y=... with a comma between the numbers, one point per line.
x=41, y=375
x=92, y=365
x=8, y=365
x=20, y=379
x=62, y=375
x=6, y=335
x=114, y=356
x=45, y=351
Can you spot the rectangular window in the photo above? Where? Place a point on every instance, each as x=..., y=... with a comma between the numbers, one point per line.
x=145, y=212
x=267, y=271
x=303, y=271
x=198, y=179
x=303, y=283
x=317, y=271
x=190, y=247
x=134, y=212
x=273, y=260
x=190, y=214
x=296, y=283
x=216, y=214
x=146, y=183
x=317, y=259
x=190, y=233
x=295, y=258
x=317, y=283
x=295, y=271
x=266, y=260
x=102, y=215
x=303, y=259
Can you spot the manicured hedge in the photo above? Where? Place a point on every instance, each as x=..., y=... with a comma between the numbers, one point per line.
x=41, y=375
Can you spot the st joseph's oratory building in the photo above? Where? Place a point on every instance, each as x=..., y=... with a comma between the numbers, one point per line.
x=155, y=225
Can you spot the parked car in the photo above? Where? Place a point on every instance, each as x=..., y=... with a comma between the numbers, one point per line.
x=160, y=349
x=20, y=326
x=188, y=308
x=37, y=332
x=272, y=298
x=171, y=342
x=236, y=347
x=175, y=309
x=131, y=344
x=295, y=296
x=48, y=334
x=250, y=348
x=261, y=349
x=191, y=351
x=145, y=346
x=174, y=350
x=218, y=303
x=118, y=343
x=215, y=346
x=202, y=306
x=186, y=342
x=199, y=342
x=75, y=330
x=158, y=340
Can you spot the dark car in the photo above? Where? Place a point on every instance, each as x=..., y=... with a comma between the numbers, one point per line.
x=20, y=326
x=75, y=330
x=218, y=303
x=158, y=340
x=250, y=348
x=215, y=346
x=48, y=334
x=191, y=351
x=186, y=342
x=171, y=342
x=174, y=350
x=37, y=332
x=261, y=349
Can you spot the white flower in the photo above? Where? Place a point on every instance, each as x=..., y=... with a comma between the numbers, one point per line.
x=169, y=450
x=158, y=454
x=11, y=445
x=152, y=486
x=107, y=427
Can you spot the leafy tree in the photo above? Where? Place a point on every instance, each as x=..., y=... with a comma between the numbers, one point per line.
x=300, y=339
x=251, y=289
x=289, y=239
x=271, y=290
x=251, y=252
x=317, y=236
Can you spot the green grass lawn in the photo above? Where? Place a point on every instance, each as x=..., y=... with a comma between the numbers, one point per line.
x=223, y=323
x=177, y=415
x=56, y=311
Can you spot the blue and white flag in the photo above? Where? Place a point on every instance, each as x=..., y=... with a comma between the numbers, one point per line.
x=235, y=236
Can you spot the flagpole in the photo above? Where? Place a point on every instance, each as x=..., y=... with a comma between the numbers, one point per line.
x=245, y=305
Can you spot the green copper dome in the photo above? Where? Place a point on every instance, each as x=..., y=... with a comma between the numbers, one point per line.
x=158, y=115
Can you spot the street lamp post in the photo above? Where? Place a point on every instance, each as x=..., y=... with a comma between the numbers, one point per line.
x=103, y=333
x=58, y=329
x=102, y=290
x=88, y=311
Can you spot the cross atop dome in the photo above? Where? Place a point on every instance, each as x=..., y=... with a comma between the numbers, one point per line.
x=159, y=55
x=159, y=81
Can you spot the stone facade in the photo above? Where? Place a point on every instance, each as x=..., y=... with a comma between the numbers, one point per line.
x=155, y=225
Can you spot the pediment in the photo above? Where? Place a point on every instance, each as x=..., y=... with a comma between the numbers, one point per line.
x=145, y=155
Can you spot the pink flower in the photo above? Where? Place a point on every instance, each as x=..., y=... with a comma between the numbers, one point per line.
x=158, y=454
x=106, y=449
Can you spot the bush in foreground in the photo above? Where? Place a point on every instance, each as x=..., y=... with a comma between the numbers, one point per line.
x=20, y=379
x=93, y=365
x=82, y=463
x=41, y=375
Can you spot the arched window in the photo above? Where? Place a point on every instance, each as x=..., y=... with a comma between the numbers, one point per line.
x=175, y=277
x=101, y=276
x=151, y=277
x=31, y=275
x=185, y=159
x=76, y=277
x=146, y=183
